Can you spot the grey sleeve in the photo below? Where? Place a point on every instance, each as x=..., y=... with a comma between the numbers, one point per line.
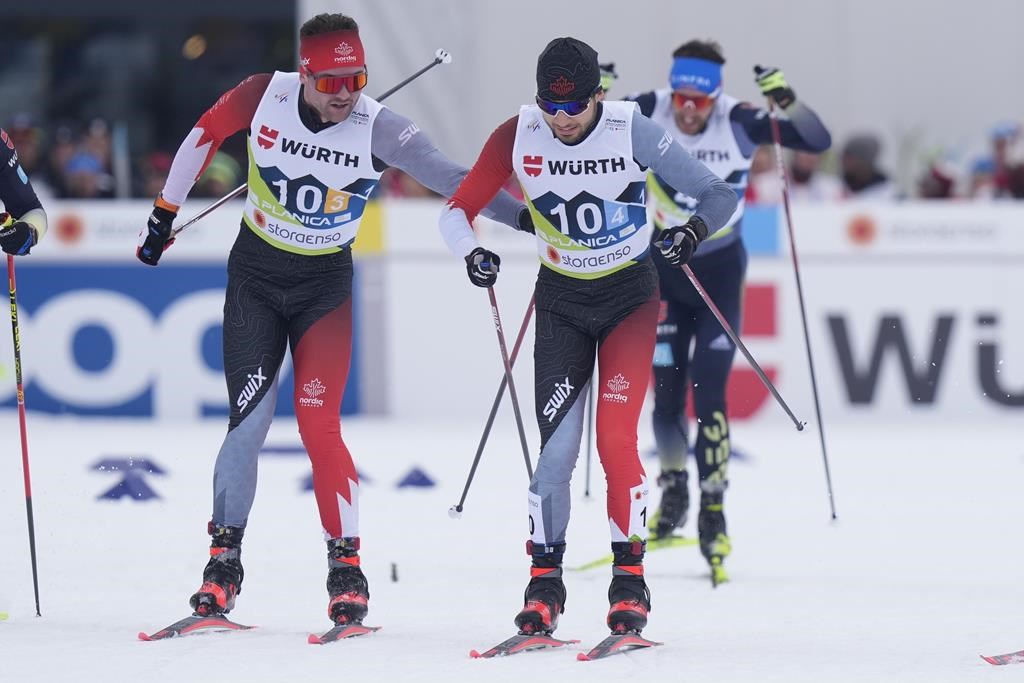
x=399, y=142
x=655, y=148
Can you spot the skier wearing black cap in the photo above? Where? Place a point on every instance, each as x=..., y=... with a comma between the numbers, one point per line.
x=582, y=164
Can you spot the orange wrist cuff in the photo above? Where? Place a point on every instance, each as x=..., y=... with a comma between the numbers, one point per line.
x=163, y=204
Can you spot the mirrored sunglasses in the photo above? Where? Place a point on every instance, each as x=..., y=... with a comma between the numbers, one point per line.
x=570, y=108
x=699, y=102
x=332, y=85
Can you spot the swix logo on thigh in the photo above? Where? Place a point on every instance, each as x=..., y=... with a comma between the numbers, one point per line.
x=256, y=381
x=312, y=389
x=562, y=391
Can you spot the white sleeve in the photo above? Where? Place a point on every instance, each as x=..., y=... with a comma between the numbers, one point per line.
x=186, y=167
x=456, y=231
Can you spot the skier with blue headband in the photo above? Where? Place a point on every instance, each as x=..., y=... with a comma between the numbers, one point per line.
x=723, y=133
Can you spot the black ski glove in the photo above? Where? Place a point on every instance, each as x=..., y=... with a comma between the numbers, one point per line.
x=156, y=237
x=17, y=237
x=482, y=266
x=677, y=244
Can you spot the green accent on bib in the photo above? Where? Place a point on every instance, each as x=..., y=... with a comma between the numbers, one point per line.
x=542, y=225
x=661, y=198
x=266, y=197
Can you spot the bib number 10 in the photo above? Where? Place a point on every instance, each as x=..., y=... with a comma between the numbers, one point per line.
x=310, y=198
x=589, y=218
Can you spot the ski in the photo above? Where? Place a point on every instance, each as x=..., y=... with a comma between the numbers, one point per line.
x=1009, y=658
x=521, y=643
x=340, y=632
x=615, y=643
x=652, y=545
x=194, y=624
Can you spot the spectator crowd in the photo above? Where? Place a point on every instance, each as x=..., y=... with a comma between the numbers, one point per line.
x=78, y=162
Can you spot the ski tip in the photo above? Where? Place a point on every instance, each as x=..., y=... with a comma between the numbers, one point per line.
x=474, y=654
x=314, y=639
x=582, y=657
x=144, y=636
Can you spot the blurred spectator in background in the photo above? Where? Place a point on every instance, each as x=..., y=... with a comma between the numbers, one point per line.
x=60, y=153
x=220, y=177
x=938, y=181
x=85, y=178
x=1005, y=139
x=764, y=185
x=97, y=143
x=982, y=180
x=153, y=172
x=807, y=183
x=29, y=141
x=862, y=177
x=1015, y=180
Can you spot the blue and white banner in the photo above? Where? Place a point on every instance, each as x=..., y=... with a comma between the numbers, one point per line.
x=129, y=340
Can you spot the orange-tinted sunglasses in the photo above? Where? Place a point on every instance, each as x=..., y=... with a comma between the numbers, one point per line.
x=699, y=102
x=332, y=85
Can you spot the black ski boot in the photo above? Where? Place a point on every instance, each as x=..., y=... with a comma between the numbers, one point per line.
x=628, y=595
x=222, y=577
x=715, y=545
x=675, y=502
x=544, y=598
x=346, y=584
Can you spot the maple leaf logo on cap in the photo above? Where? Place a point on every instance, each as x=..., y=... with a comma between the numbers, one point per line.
x=562, y=86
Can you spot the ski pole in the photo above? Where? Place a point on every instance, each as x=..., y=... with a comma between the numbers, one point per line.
x=508, y=376
x=740, y=345
x=24, y=429
x=455, y=511
x=783, y=176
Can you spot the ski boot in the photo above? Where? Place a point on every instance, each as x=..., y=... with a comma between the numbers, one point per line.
x=544, y=598
x=222, y=577
x=715, y=545
x=675, y=503
x=628, y=595
x=346, y=584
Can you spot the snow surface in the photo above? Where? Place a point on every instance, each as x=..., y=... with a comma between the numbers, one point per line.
x=920, y=575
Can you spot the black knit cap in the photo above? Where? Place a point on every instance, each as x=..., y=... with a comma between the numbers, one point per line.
x=567, y=70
